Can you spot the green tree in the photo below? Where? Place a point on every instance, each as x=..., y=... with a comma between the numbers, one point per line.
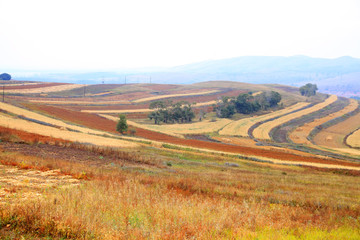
x=274, y=98
x=122, y=126
x=308, y=90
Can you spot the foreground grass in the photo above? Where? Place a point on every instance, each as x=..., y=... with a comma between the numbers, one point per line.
x=177, y=195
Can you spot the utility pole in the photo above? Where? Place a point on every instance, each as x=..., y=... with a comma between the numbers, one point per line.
x=150, y=79
x=125, y=79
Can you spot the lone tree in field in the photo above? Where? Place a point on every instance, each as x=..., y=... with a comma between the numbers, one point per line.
x=308, y=90
x=122, y=126
x=5, y=76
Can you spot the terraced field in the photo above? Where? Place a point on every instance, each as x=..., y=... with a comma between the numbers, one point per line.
x=41, y=118
x=263, y=131
x=333, y=137
x=300, y=134
x=242, y=126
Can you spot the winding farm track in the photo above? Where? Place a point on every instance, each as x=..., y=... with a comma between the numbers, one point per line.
x=100, y=123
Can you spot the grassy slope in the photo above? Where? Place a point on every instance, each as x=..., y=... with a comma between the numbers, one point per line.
x=176, y=195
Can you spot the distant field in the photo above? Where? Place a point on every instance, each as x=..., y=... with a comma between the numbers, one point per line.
x=262, y=132
x=43, y=88
x=300, y=134
x=129, y=110
x=173, y=95
x=242, y=126
x=71, y=102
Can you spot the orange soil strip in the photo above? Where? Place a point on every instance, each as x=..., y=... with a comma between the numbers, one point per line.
x=97, y=122
x=333, y=136
x=30, y=137
x=300, y=134
x=31, y=86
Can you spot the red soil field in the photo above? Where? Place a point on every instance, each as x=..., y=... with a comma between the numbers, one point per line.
x=32, y=86
x=97, y=122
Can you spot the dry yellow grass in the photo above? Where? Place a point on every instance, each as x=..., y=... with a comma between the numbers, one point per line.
x=300, y=134
x=354, y=139
x=39, y=117
x=173, y=95
x=262, y=132
x=241, y=127
x=47, y=89
x=20, y=124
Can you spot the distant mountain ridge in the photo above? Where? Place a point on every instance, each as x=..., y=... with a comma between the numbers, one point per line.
x=339, y=76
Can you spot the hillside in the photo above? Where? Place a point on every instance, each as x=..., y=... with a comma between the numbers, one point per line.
x=286, y=171
x=335, y=76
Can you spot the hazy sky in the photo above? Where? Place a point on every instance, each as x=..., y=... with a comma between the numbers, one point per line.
x=113, y=34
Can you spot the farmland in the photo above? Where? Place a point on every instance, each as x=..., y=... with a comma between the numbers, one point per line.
x=300, y=134
x=78, y=178
x=263, y=131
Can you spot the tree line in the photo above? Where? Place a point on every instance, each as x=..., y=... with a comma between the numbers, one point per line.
x=168, y=112
x=246, y=103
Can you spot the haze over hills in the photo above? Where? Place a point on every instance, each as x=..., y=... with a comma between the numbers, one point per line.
x=337, y=76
